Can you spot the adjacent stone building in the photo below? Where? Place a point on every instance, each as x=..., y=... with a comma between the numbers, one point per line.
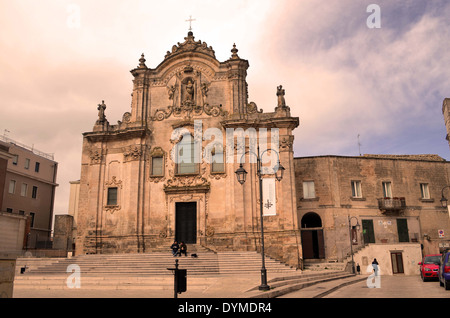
x=391, y=203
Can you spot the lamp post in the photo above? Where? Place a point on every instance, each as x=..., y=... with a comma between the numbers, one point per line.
x=444, y=199
x=351, y=241
x=241, y=175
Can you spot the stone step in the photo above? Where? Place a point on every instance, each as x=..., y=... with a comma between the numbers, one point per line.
x=158, y=282
x=151, y=264
x=323, y=266
x=111, y=282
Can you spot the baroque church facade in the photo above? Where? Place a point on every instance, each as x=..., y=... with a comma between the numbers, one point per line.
x=166, y=171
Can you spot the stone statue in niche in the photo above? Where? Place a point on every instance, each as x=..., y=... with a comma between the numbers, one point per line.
x=189, y=91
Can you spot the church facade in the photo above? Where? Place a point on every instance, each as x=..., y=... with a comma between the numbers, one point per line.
x=166, y=171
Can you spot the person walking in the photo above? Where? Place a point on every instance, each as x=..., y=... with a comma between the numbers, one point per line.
x=375, y=266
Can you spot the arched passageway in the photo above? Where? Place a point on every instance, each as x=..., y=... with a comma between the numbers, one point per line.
x=312, y=236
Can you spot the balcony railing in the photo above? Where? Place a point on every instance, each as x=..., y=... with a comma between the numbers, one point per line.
x=391, y=204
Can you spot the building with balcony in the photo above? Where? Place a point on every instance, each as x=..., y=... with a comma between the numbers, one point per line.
x=27, y=198
x=391, y=203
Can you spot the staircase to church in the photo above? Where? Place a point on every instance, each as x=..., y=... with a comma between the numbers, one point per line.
x=145, y=270
x=322, y=265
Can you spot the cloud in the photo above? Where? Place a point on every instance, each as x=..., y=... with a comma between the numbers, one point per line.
x=344, y=79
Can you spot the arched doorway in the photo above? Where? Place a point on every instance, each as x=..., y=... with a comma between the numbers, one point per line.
x=312, y=236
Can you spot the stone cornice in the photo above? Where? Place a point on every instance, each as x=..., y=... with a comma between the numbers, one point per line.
x=258, y=122
x=126, y=133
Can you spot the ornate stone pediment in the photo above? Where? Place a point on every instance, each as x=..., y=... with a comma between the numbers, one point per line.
x=187, y=183
x=188, y=111
x=191, y=45
x=187, y=93
x=113, y=183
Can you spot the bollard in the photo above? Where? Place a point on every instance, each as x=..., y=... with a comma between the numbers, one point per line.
x=179, y=280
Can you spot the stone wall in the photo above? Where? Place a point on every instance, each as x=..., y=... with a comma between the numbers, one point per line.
x=411, y=255
x=12, y=232
x=7, y=273
x=334, y=202
x=63, y=233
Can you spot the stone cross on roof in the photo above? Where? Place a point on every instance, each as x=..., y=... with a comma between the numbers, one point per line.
x=190, y=22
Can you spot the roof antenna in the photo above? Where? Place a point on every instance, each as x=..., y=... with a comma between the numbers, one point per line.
x=359, y=146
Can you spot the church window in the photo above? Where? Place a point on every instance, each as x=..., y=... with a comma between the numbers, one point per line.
x=217, y=162
x=186, y=158
x=112, y=196
x=157, y=166
x=308, y=190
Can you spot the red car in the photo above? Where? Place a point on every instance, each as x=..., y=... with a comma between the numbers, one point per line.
x=429, y=266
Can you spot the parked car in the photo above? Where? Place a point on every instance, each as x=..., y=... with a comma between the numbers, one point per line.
x=444, y=270
x=429, y=267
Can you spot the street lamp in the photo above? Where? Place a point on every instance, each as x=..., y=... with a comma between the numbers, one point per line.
x=444, y=199
x=351, y=241
x=279, y=171
x=241, y=175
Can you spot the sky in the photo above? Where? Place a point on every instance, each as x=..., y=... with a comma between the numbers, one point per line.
x=343, y=77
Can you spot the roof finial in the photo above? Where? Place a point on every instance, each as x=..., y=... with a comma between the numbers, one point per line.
x=234, y=51
x=190, y=23
x=142, y=61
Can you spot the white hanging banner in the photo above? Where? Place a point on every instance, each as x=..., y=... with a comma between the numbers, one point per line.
x=269, y=199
